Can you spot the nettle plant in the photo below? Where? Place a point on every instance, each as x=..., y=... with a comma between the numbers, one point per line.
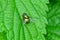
x=29, y=19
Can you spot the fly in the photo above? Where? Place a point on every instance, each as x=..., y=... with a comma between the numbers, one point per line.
x=26, y=18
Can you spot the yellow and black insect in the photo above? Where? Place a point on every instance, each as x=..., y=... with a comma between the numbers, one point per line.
x=26, y=18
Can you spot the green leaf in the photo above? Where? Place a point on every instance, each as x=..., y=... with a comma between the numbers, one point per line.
x=3, y=36
x=53, y=26
x=11, y=19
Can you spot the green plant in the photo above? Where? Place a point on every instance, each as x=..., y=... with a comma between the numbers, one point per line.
x=44, y=23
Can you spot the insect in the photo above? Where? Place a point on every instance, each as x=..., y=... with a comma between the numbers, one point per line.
x=26, y=18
